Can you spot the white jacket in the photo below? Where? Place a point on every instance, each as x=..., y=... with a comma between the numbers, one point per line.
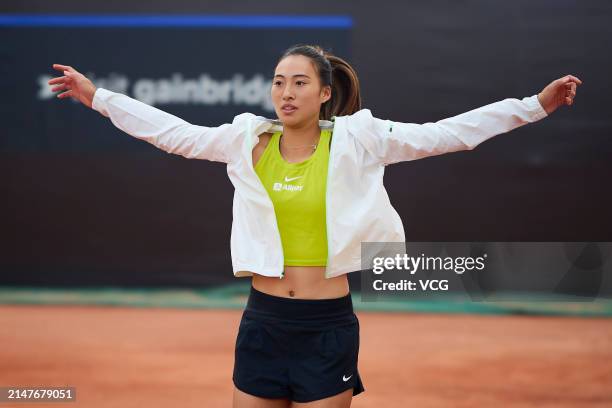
x=357, y=206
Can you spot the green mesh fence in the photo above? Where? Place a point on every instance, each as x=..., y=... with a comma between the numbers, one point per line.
x=234, y=296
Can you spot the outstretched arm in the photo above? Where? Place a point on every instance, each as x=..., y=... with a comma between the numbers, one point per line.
x=165, y=131
x=393, y=142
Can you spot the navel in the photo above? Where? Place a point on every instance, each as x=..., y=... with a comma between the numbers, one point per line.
x=291, y=293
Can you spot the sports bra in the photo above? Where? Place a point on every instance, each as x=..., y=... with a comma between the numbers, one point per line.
x=297, y=191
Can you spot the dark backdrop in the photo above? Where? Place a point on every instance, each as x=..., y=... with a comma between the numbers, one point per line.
x=85, y=204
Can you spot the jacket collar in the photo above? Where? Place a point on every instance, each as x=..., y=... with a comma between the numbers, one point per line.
x=263, y=124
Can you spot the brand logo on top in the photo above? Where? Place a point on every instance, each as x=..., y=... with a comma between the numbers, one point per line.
x=287, y=187
x=287, y=179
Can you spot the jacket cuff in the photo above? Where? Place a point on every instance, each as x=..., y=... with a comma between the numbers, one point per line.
x=536, y=109
x=99, y=99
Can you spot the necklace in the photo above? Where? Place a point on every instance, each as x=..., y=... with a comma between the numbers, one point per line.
x=314, y=146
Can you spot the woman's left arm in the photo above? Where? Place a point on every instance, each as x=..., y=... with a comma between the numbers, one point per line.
x=393, y=142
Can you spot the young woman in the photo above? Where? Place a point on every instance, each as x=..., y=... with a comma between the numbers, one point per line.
x=308, y=191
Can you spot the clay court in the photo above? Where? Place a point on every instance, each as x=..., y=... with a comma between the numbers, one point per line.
x=160, y=357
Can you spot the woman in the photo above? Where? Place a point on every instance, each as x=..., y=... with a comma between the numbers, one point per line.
x=308, y=192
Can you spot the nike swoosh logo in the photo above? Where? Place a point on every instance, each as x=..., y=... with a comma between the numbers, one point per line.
x=287, y=179
x=345, y=379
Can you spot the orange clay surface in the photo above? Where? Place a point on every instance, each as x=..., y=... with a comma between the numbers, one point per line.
x=152, y=357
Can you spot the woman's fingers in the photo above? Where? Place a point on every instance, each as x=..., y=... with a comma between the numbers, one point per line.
x=570, y=92
x=571, y=78
x=67, y=70
x=61, y=67
x=57, y=80
x=571, y=83
x=59, y=87
x=65, y=94
x=73, y=83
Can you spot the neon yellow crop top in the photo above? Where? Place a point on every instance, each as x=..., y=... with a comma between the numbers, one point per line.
x=297, y=191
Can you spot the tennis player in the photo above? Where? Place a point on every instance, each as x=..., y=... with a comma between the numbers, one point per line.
x=308, y=190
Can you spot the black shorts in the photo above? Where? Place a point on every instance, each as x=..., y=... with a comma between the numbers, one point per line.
x=300, y=349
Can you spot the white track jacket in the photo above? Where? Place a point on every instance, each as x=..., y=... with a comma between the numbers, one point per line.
x=357, y=205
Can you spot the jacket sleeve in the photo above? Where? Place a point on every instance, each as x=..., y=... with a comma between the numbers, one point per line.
x=168, y=132
x=393, y=142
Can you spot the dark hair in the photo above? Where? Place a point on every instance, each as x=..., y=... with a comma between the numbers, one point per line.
x=336, y=72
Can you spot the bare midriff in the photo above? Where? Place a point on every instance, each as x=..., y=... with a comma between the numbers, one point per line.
x=303, y=282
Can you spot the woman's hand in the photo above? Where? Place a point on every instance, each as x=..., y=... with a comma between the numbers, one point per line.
x=559, y=92
x=77, y=85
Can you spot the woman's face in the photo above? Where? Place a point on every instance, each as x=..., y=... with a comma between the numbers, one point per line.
x=297, y=83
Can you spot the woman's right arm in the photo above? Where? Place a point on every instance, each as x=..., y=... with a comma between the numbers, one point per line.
x=165, y=131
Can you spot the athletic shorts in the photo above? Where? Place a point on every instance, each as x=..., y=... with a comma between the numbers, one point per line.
x=300, y=349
